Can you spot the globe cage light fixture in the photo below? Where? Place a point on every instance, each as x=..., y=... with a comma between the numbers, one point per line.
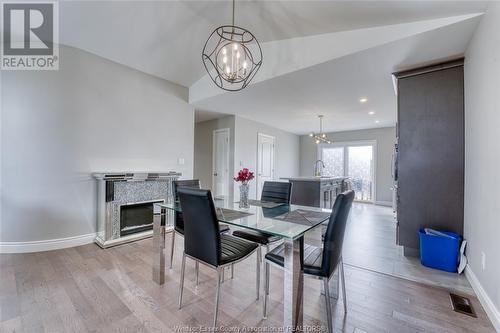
x=232, y=56
x=320, y=137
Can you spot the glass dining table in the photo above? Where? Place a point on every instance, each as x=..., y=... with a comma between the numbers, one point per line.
x=290, y=222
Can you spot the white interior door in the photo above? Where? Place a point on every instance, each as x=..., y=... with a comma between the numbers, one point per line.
x=265, y=160
x=220, y=174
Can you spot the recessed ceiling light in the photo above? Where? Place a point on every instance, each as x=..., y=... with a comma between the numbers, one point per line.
x=377, y=121
x=363, y=100
x=371, y=113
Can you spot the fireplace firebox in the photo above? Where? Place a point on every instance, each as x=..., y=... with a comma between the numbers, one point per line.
x=137, y=217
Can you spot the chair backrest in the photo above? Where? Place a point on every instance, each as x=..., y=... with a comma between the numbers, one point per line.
x=176, y=184
x=334, y=236
x=279, y=192
x=201, y=227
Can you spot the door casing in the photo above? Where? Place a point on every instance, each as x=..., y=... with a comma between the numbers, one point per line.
x=260, y=178
x=226, y=133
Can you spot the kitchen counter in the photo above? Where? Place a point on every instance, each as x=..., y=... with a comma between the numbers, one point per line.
x=314, y=179
x=316, y=191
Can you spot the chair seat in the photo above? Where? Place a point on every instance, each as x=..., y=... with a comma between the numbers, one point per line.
x=312, y=259
x=234, y=248
x=222, y=229
x=256, y=236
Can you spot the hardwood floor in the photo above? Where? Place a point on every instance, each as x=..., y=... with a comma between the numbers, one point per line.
x=370, y=243
x=87, y=289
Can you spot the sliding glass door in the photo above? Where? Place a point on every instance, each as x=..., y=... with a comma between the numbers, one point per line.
x=355, y=160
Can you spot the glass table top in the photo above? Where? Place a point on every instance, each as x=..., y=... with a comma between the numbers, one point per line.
x=287, y=221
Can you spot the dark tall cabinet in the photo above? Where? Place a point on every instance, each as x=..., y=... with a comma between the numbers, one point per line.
x=430, y=158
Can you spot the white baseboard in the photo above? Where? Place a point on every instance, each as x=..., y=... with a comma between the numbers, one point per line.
x=46, y=245
x=488, y=305
x=384, y=203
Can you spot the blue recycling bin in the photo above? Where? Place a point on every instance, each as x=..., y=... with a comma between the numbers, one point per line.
x=440, y=252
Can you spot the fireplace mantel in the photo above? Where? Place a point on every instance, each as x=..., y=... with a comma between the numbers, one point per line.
x=117, y=189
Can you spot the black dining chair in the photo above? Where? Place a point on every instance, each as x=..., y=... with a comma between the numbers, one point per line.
x=320, y=263
x=179, y=220
x=279, y=192
x=205, y=244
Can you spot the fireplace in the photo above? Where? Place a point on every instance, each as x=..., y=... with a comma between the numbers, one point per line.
x=137, y=217
x=126, y=203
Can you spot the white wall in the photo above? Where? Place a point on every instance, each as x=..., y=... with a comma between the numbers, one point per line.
x=203, y=149
x=91, y=115
x=482, y=160
x=286, y=151
x=385, y=137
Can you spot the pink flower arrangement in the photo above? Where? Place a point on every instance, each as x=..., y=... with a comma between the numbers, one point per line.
x=244, y=175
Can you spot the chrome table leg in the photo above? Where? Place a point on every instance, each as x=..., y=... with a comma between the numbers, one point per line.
x=172, y=249
x=159, y=246
x=293, y=286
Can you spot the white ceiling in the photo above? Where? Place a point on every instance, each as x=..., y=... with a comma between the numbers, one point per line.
x=334, y=88
x=165, y=39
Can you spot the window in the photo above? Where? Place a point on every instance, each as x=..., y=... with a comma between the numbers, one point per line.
x=354, y=160
x=334, y=162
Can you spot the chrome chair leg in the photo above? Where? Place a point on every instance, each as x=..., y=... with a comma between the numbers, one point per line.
x=268, y=272
x=217, y=296
x=259, y=258
x=266, y=289
x=182, y=278
x=232, y=271
x=197, y=269
x=328, y=305
x=341, y=275
x=172, y=249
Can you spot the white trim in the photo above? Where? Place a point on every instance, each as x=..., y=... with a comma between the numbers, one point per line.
x=258, y=190
x=384, y=203
x=227, y=131
x=46, y=245
x=488, y=305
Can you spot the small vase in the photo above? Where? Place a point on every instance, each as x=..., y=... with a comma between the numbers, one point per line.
x=244, y=188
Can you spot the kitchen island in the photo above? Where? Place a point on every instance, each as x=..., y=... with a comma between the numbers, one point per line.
x=316, y=191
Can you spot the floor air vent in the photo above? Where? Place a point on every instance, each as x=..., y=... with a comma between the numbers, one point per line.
x=462, y=304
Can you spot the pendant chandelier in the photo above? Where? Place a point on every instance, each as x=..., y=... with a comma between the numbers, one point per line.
x=232, y=56
x=320, y=137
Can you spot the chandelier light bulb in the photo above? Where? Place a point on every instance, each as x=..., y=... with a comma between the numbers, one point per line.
x=244, y=64
x=317, y=141
x=323, y=135
x=235, y=46
x=224, y=51
x=311, y=134
x=228, y=70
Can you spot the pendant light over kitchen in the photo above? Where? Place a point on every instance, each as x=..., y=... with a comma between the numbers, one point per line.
x=320, y=137
x=232, y=56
